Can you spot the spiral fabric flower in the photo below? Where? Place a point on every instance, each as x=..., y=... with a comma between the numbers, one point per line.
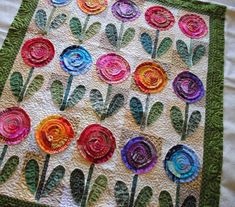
x=75, y=60
x=96, y=143
x=181, y=164
x=37, y=52
x=193, y=26
x=188, y=87
x=14, y=125
x=54, y=134
x=139, y=155
x=60, y=2
x=92, y=6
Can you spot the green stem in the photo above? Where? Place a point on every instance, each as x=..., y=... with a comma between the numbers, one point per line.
x=184, y=133
x=143, y=121
x=191, y=52
x=108, y=94
x=133, y=190
x=84, y=197
x=47, y=28
x=43, y=178
x=120, y=36
x=154, y=53
x=85, y=27
x=22, y=93
x=177, y=198
x=4, y=151
x=66, y=95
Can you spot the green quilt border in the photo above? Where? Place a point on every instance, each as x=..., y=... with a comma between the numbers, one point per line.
x=213, y=138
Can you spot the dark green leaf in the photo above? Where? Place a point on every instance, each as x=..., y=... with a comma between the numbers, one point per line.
x=144, y=197
x=58, y=21
x=41, y=19
x=116, y=103
x=147, y=42
x=194, y=121
x=183, y=52
x=76, y=96
x=190, y=201
x=177, y=119
x=34, y=86
x=136, y=110
x=155, y=113
x=97, y=189
x=164, y=46
x=57, y=91
x=9, y=168
x=77, y=185
x=54, y=180
x=128, y=37
x=165, y=199
x=76, y=27
x=112, y=34
x=97, y=102
x=198, y=53
x=32, y=175
x=121, y=194
x=16, y=82
x=92, y=30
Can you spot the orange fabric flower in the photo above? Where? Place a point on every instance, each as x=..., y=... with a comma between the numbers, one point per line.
x=92, y=6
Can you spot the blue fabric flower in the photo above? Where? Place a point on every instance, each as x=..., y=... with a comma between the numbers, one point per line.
x=60, y=2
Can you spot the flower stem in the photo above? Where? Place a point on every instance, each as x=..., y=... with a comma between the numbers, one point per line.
x=133, y=189
x=120, y=36
x=82, y=37
x=177, y=197
x=4, y=151
x=108, y=94
x=43, y=178
x=154, y=53
x=191, y=52
x=84, y=197
x=184, y=134
x=22, y=93
x=143, y=121
x=66, y=95
x=47, y=28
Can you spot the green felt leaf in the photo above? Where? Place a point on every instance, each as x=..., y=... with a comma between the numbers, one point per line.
x=34, y=86
x=198, y=53
x=116, y=103
x=32, y=175
x=194, y=121
x=97, y=101
x=127, y=37
x=164, y=46
x=54, y=180
x=183, y=52
x=112, y=34
x=41, y=19
x=92, y=30
x=121, y=194
x=165, y=199
x=76, y=27
x=76, y=96
x=190, y=201
x=57, y=91
x=144, y=197
x=97, y=189
x=9, y=168
x=136, y=110
x=155, y=113
x=77, y=185
x=147, y=42
x=58, y=21
x=177, y=119
x=16, y=82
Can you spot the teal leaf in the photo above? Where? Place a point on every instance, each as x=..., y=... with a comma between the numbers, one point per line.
x=97, y=189
x=77, y=185
x=136, y=110
x=116, y=103
x=97, y=102
x=76, y=27
x=144, y=197
x=198, y=53
x=164, y=46
x=57, y=91
x=128, y=36
x=58, y=21
x=165, y=199
x=155, y=113
x=183, y=52
x=193, y=123
x=76, y=96
x=41, y=19
x=34, y=86
x=92, y=30
x=177, y=119
x=147, y=42
x=9, y=168
x=190, y=201
x=112, y=34
x=54, y=180
x=32, y=175
x=121, y=194
x=16, y=82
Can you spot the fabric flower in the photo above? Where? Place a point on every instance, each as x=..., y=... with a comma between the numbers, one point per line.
x=188, y=87
x=125, y=10
x=159, y=18
x=14, y=125
x=181, y=164
x=96, y=143
x=113, y=68
x=37, y=52
x=75, y=60
x=193, y=26
x=92, y=6
x=60, y=2
x=54, y=134
x=139, y=155
x=150, y=77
